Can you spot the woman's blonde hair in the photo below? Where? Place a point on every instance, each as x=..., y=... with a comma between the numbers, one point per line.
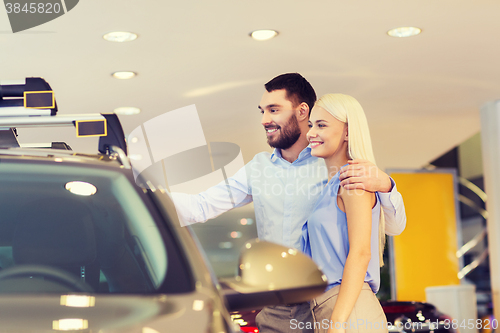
x=359, y=145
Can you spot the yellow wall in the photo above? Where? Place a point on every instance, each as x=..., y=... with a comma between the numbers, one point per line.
x=425, y=253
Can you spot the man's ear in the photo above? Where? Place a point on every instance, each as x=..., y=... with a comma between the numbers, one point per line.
x=303, y=111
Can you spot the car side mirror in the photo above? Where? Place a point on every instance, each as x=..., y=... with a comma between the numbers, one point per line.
x=272, y=274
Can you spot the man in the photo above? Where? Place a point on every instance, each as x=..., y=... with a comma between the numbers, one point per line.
x=284, y=185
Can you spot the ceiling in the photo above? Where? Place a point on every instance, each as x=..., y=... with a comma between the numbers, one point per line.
x=422, y=94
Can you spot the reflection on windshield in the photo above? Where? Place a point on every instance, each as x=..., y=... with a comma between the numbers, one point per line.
x=52, y=240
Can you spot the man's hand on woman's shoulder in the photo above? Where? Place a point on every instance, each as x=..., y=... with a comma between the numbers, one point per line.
x=363, y=174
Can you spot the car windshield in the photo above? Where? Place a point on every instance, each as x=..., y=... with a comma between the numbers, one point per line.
x=57, y=234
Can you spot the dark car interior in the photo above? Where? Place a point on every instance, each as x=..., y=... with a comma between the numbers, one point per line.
x=52, y=240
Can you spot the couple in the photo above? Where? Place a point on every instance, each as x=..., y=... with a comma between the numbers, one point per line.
x=285, y=108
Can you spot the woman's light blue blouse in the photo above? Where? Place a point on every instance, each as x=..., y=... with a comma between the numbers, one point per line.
x=325, y=238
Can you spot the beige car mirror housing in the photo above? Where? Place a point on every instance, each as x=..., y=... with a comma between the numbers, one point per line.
x=272, y=274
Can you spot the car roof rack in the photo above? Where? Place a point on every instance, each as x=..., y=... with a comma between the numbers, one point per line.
x=33, y=104
x=33, y=97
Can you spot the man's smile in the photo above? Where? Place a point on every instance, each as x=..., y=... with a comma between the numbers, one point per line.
x=271, y=130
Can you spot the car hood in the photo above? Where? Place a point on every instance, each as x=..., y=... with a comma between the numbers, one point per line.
x=192, y=312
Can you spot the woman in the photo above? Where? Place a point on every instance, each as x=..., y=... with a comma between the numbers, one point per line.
x=345, y=234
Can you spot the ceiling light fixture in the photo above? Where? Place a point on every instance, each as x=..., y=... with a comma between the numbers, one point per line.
x=263, y=34
x=123, y=75
x=127, y=110
x=404, y=32
x=120, y=36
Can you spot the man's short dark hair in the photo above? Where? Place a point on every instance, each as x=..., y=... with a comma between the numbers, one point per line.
x=298, y=89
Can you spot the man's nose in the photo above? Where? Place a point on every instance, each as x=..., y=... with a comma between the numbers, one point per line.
x=266, y=118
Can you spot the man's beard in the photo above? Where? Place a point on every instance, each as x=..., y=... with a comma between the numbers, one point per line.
x=289, y=134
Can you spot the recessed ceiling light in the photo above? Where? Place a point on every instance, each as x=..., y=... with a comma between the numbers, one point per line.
x=263, y=34
x=123, y=75
x=127, y=110
x=404, y=32
x=120, y=36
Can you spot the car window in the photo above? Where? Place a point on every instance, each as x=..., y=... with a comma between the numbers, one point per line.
x=108, y=241
x=223, y=238
x=143, y=230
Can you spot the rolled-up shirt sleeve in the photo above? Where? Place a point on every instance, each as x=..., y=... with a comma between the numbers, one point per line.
x=394, y=211
x=231, y=193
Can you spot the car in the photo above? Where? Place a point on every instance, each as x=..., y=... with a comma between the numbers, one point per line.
x=84, y=248
x=416, y=316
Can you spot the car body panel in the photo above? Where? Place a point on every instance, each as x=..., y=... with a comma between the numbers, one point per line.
x=190, y=312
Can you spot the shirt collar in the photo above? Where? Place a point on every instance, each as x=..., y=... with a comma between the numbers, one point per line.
x=276, y=154
x=305, y=153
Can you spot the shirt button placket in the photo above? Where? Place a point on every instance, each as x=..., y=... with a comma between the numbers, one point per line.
x=288, y=192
